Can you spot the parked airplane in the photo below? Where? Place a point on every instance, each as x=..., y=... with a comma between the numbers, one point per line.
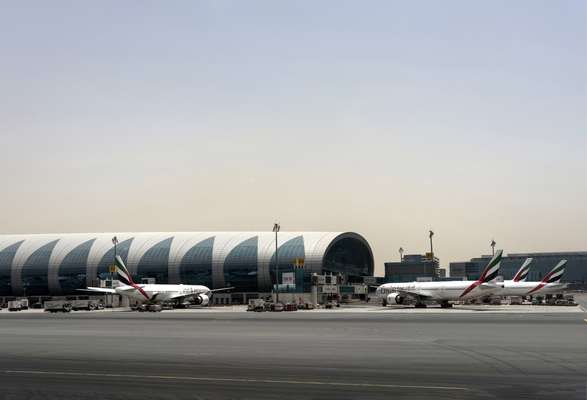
x=156, y=293
x=550, y=284
x=443, y=291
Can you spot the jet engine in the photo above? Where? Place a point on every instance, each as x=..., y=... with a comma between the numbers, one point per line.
x=395, y=298
x=202, y=300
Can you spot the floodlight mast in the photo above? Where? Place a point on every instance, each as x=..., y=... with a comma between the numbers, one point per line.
x=276, y=228
x=114, y=242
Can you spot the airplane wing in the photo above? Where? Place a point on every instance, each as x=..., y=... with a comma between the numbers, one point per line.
x=183, y=296
x=490, y=286
x=222, y=289
x=98, y=290
x=413, y=294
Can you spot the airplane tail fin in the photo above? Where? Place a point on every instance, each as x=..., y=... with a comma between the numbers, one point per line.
x=556, y=273
x=522, y=273
x=122, y=272
x=492, y=269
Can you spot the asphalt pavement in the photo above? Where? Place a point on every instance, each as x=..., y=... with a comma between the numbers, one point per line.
x=296, y=355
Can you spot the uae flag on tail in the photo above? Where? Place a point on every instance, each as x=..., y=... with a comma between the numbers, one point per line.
x=122, y=272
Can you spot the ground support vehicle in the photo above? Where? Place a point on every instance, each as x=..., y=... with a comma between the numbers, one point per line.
x=55, y=306
x=14, y=305
x=257, y=305
x=88, y=305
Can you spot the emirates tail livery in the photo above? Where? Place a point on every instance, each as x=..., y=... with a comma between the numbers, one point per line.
x=522, y=273
x=156, y=293
x=444, y=291
x=550, y=284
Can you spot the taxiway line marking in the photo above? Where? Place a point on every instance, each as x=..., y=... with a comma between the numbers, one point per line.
x=237, y=380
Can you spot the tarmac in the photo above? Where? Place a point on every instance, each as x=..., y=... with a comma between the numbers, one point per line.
x=349, y=353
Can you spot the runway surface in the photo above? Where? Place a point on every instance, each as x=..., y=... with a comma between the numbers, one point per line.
x=211, y=355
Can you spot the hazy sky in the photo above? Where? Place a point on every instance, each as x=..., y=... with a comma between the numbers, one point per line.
x=383, y=117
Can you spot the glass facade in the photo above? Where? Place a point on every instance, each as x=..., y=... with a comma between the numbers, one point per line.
x=240, y=266
x=153, y=263
x=287, y=253
x=249, y=266
x=72, y=270
x=458, y=269
x=6, y=258
x=413, y=267
x=34, y=273
x=542, y=263
x=349, y=256
x=196, y=264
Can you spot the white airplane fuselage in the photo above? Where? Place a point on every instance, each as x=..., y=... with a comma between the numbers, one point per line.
x=523, y=288
x=161, y=292
x=440, y=290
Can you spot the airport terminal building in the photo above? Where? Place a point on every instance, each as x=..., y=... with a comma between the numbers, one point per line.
x=576, y=268
x=59, y=264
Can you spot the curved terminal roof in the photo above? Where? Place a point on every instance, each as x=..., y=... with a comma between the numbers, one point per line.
x=43, y=264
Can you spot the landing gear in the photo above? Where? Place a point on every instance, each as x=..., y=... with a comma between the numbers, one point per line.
x=384, y=303
x=420, y=305
x=445, y=304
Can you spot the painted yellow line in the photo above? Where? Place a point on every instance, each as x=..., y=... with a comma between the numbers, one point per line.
x=237, y=380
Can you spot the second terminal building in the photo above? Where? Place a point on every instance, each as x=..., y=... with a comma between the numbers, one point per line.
x=60, y=264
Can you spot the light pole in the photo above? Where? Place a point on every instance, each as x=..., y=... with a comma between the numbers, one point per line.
x=493, y=247
x=431, y=248
x=114, y=242
x=401, y=254
x=276, y=228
